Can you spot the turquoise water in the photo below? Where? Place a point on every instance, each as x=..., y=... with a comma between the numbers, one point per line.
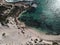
x=48, y=13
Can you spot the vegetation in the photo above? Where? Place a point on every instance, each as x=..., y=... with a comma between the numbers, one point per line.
x=2, y=15
x=13, y=11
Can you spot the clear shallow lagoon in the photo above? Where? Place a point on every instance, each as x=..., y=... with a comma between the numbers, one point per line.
x=48, y=13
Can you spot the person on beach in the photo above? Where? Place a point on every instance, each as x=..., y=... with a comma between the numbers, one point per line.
x=22, y=32
x=3, y=34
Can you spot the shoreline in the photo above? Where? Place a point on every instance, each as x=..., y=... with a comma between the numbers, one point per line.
x=43, y=36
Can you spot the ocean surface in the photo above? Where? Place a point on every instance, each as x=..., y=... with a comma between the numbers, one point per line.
x=48, y=11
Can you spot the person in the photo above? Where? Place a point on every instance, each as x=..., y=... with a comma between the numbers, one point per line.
x=22, y=32
x=55, y=43
x=3, y=34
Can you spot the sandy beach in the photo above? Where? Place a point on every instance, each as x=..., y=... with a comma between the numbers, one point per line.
x=15, y=36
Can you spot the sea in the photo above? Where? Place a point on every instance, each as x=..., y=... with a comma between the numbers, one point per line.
x=49, y=13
